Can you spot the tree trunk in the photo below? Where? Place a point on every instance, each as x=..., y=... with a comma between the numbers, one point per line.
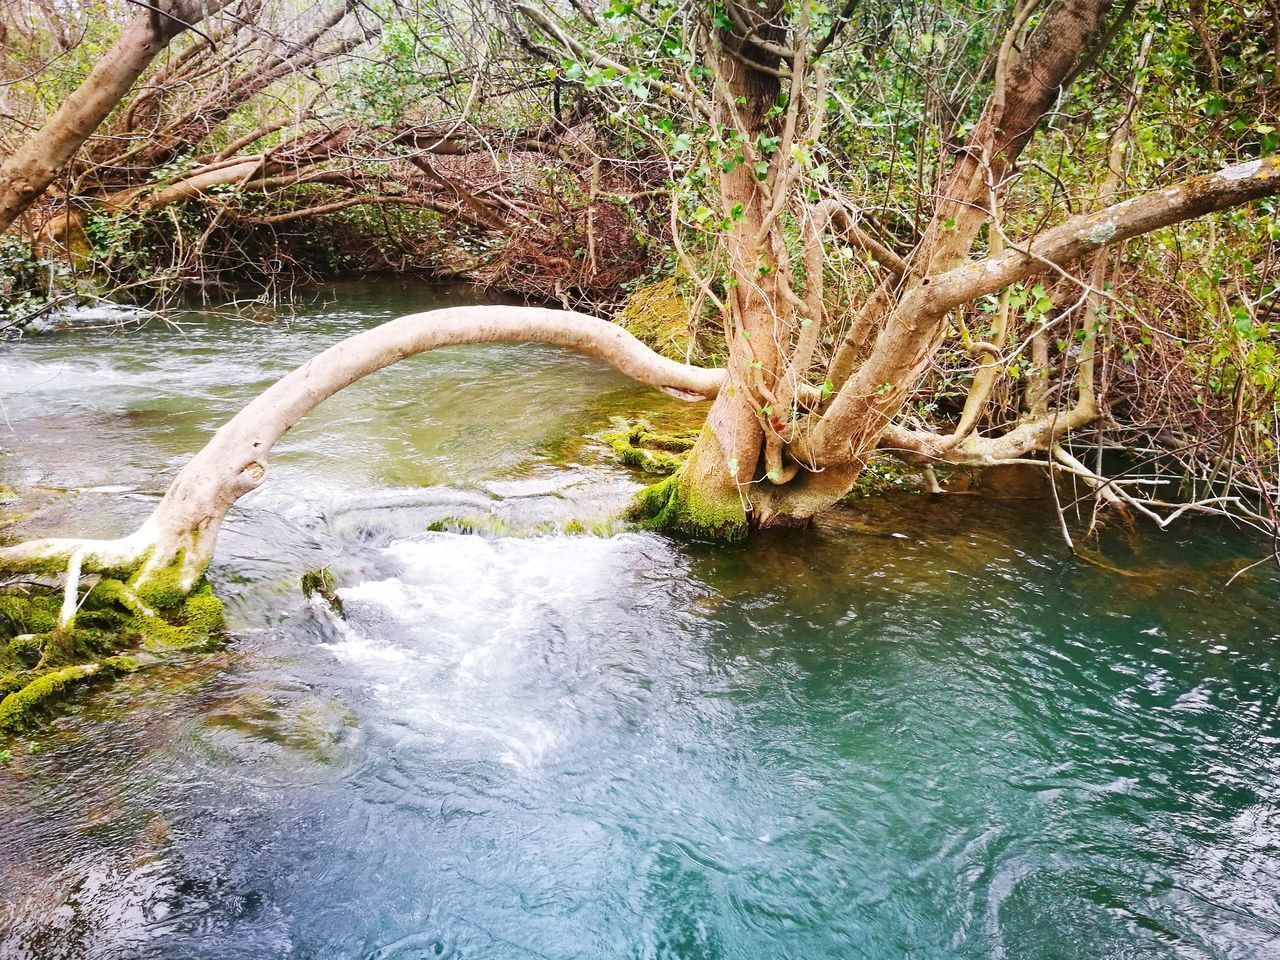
x=712, y=495
x=26, y=175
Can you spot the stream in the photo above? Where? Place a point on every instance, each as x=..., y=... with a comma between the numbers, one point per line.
x=920, y=730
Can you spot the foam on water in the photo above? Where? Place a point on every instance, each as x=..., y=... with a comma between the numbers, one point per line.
x=457, y=643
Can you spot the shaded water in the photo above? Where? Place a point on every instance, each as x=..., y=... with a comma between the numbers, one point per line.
x=918, y=731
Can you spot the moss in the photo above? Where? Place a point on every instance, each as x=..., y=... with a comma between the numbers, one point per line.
x=658, y=316
x=647, y=460
x=74, y=645
x=163, y=589
x=480, y=525
x=321, y=583
x=675, y=506
x=194, y=622
x=39, y=690
x=39, y=661
x=36, y=566
x=10, y=682
x=28, y=612
x=606, y=526
x=26, y=648
x=110, y=595
x=8, y=494
x=202, y=616
x=17, y=707
x=494, y=527
x=638, y=445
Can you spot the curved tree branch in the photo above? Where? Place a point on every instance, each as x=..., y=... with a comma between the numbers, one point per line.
x=1084, y=234
x=179, y=537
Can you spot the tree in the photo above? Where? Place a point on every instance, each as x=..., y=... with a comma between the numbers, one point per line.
x=275, y=115
x=787, y=438
x=814, y=383
x=26, y=175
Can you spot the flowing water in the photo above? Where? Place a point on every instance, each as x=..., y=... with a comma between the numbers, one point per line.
x=917, y=731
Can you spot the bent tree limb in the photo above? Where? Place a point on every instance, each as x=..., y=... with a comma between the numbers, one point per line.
x=171, y=550
x=1079, y=236
x=26, y=175
x=865, y=411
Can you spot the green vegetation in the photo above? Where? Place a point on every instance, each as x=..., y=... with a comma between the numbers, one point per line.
x=320, y=583
x=637, y=445
x=115, y=632
x=673, y=505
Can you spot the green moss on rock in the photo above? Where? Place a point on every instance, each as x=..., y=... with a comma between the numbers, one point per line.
x=16, y=709
x=661, y=317
x=74, y=645
x=28, y=612
x=322, y=584
x=39, y=661
x=122, y=664
x=482, y=525
x=638, y=445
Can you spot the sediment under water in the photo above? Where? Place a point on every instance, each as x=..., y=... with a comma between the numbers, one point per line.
x=917, y=731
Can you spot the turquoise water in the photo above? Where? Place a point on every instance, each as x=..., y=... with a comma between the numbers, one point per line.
x=918, y=731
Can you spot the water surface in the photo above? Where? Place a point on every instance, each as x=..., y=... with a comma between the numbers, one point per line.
x=917, y=731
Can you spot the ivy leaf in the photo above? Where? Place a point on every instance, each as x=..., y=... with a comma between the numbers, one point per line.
x=1214, y=106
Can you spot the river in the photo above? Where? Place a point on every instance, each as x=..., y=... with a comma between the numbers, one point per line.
x=920, y=730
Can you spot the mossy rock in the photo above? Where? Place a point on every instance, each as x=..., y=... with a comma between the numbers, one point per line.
x=17, y=709
x=41, y=662
x=638, y=445
x=23, y=611
x=322, y=584
x=661, y=317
